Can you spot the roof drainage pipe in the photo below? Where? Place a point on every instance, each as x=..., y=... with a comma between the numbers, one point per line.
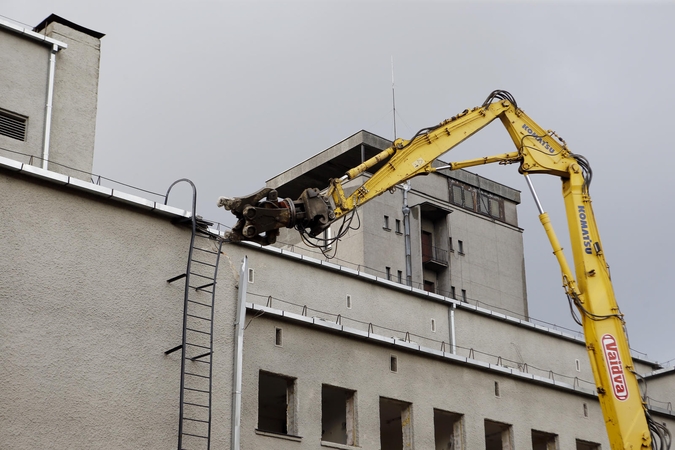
x=406, y=231
x=238, y=357
x=48, y=111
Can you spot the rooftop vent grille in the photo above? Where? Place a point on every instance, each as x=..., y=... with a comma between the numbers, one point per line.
x=12, y=126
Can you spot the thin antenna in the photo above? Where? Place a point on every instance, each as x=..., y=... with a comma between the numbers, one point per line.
x=393, y=94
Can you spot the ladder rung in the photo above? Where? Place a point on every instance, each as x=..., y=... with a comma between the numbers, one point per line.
x=201, y=276
x=197, y=390
x=173, y=349
x=196, y=375
x=195, y=435
x=200, y=303
x=195, y=404
x=195, y=358
x=202, y=262
x=195, y=345
x=206, y=285
x=196, y=288
x=199, y=360
x=197, y=317
x=205, y=251
x=177, y=277
x=195, y=420
x=197, y=331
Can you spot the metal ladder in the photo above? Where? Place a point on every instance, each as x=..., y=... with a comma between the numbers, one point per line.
x=194, y=427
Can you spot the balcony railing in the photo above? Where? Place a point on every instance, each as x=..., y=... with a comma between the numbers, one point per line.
x=434, y=257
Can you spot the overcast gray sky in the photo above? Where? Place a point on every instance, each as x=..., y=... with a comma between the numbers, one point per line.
x=229, y=94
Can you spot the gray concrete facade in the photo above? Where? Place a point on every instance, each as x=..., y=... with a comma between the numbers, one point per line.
x=24, y=87
x=337, y=353
x=86, y=313
x=468, y=253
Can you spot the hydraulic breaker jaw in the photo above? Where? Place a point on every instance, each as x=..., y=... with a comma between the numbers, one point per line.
x=261, y=215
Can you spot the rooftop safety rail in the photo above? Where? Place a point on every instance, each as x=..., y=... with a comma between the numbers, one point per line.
x=423, y=341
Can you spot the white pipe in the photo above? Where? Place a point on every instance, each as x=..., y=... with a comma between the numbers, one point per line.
x=239, y=356
x=452, y=329
x=48, y=112
x=406, y=232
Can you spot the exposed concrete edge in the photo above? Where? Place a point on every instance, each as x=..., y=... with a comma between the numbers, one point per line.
x=432, y=296
x=360, y=137
x=94, y=189
x=451, y=358
x=412, y=347
x=660, y=372
x=31, y=34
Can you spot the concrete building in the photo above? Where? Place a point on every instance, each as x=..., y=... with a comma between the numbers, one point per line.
x=49, y=92
x=336, y=353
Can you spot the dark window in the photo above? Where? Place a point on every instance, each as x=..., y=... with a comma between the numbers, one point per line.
x=452, y=292
x=278, y=337
x=543, y=441
x=338, y=415
x=398, y=226
x=386, y=223
x=464, y=295
x=429, y=286
x=393, y=363
x=448, y=430
x=400, y=276
x=395, y=424
x=13, y=125
x=276, y=404
x=585, y=445
x=460, y=247
x=497, y=435
x=387, y=271
x=427, y=246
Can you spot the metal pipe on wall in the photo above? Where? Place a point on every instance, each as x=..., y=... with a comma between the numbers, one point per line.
x=452, y=329
x=48, y=111
x=406, y=231
x=238, y=356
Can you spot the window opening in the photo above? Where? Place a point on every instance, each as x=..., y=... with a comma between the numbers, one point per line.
x=400, y=276
x=398, y=226
x=13, y=125
x=278, y=337
x=453, y=294
x=395, y=424
x=388, y=272
x=464, y=295
x=433, y=325
x=585, y=410
x=427, y=246
x=250, y=275
x=497, y=436
x=460, y=247
x=338, y=415
x=386, y=223
x=468, y=199
x=276, y=404
x=429, y=286
x=393, y=363
x=544, y=441
x=450, y=247
x=497, y=389
x=586, y=445
x=349, y=301
x=577, y=363
x=447, y=430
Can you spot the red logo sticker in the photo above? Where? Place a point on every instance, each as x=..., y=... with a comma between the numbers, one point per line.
x=615, y=367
